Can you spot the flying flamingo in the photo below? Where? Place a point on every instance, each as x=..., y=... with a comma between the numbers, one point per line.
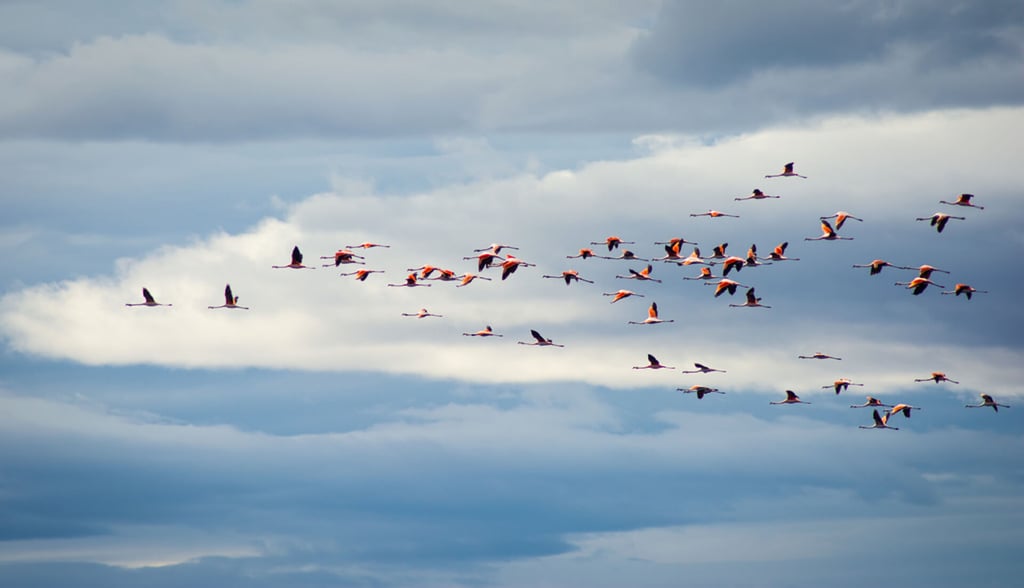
x=752, y=301
x=642, y=275
x=445, y=275
x=827, y=234
x=877, y=265
x=965, y=290
x=422, y=313
x=872, y=401
x=511, y=264
x=787, y=171
x=570, y=276
x=925, y=271
x=485, y=332
x=756, y=195
x=230, y=301
x=732, y=262
x=918, y=285
x=671, y=253
x=701, y=391
x=841, y=217
x=725, y=284
x=540, y=341
x=963, y=200
x=612, y=242
x=936, y=377
x=149, y=300
x=495, y=248
x=714, y=214
x=619, y=295
x=467, y=278
x=296, y=261
x=653, y=365
x=365, y=245
x=361, y=274
x=627, y=255
x=425, y=270
x=939, y=220
x=705, y=274
x=718, y=252
x=880, y=422
x=652, y=317
x=904, y=408
x=410, y=282
x=779, y=253
x=791, y=398
x=485, y=259
x=818, y=355
x=841, y=385
x=693, y=258
x=342, y=256
x=986, y=400
x=583, y=254
x=701, y=369
x=676, y=241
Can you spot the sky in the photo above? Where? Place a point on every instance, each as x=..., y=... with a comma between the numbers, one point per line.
x=321, y=438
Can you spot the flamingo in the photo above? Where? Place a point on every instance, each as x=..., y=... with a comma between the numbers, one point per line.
x=511, y=264
x=819, y=355
x=676, y=241
x=791, y=398
x=342, y=256
x=787, y=171
x=936, y=377
x=467, y=278
x=779, y=253
x=986, y=400
x=963, y=200
x=918, y=285
x=841, y=385
x=872, y=401
x=732, y=262
x=880, y=422
x=570, y=276
x=627, y=255
x=366, y=245
x=445, y=275
x=693, y=258
x=653, y=364
x=296, y=261
x=495, y=248
x=719, y=251
x=701, y=391
x=966, y=290
x=705, y=274
x=540, y=341
x=422, y=313
x=642, y=275
x=725, y=284
x=149, y=300
x=925, y=271
x=410, y=282
x=841, y=217
x=425, y=270
x=652, y=317
x=612, y=242
x=827, y=234
x=671, y=253
x=877, y=265
x=756, y=195
x=230, y=301
x=904, y=408
x=583, y=254
x=701, y=369
x=361, y=274
x=485, y=259
x=752, y=301
x=714, y=214
x=619, y=295
x=484, y=332
x=939, y=220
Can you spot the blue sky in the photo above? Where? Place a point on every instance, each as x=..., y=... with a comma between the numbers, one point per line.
x=322, y=439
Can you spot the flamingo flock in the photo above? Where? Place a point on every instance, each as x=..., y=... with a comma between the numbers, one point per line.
x=508, y=264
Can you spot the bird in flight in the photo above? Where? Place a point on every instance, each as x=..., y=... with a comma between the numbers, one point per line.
x=705, y=274
x=880, y=422
x=726, y=285
x=366, y=245
x=871, y=401
x=584, y=254
x=342, y=256
x=714, y=214
x=757, y=194
x=841, y=385
x=570, y=276
x=149, y=300
x=422, y=313
x=485, y=259
x=700, y=391
x=653, y=364
x=841, y=217
x=828, y=234
x=540, y=341
x=818, y=355
x=787, y=171
x=468, y=278
x=918, y=285
x=966, y=290
x=791, y=398
x=495, y=248
x=361, y=274
x=877, y=265
x=296, y=261
x=963, y=200
x=484, y=332
x=511, y=264
x=779, y=253
x=939, y=220
x=613, y=242
x=701, y=369
x=230, y=300
x=642, y=275
x=621, y=294
x=752, y=301
x=986, y=400
x=410, y=282
x=936, y=377
x=904, y=408
x=652, y=317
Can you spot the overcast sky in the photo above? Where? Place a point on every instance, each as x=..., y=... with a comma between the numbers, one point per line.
x=323, y=439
